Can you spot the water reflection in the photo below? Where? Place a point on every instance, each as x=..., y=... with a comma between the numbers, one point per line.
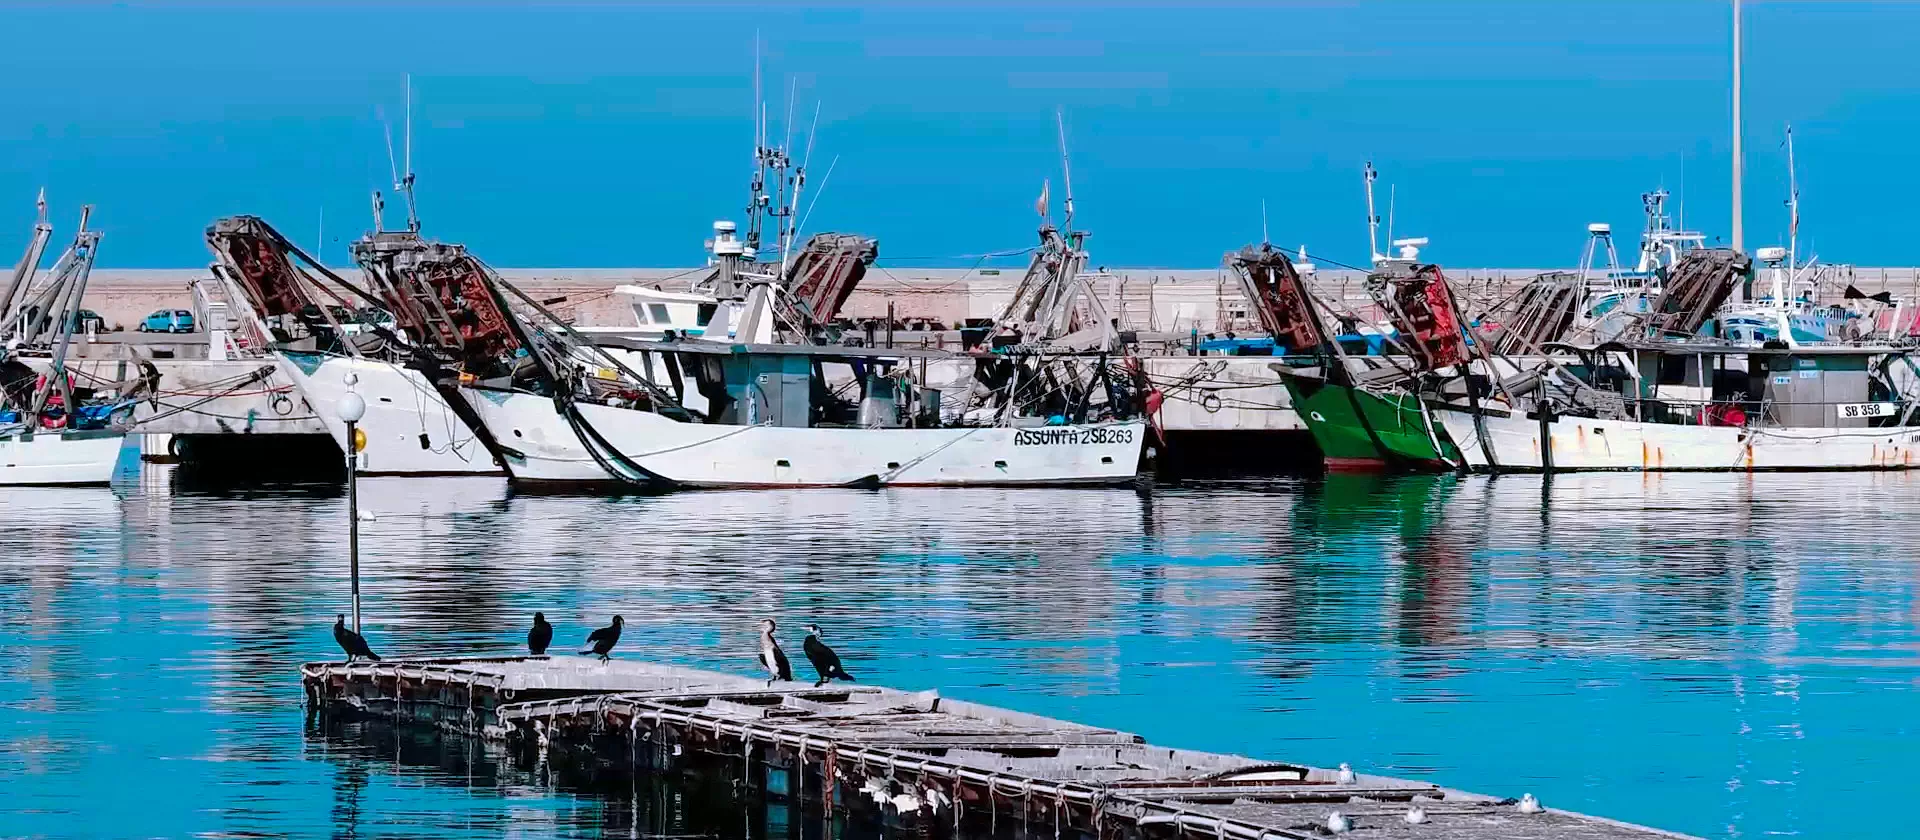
x=1680, y=650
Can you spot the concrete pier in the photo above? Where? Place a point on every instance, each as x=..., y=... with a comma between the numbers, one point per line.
x=914, y=759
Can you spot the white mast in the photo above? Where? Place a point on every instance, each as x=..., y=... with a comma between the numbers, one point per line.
x=405, y=185
x=1793, y=207
x=1739, y=236
x=1373, y=220
x=1066, y=172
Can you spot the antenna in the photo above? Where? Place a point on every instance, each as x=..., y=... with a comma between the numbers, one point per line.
x=1681, y=194
x=1793, y=204
x=1739, y=169
x=1264, y=239
x=799, y=184
x=786, y=128
x=1373, y=219
x=408, y=83
x=816, y=196
x=386, y=128
x=406, y=186
x=1066, y=172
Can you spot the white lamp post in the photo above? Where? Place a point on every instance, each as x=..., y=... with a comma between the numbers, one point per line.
x=351, y=408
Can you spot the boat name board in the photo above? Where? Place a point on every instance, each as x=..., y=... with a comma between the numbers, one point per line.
x=1072, y=437
x=1873, y=409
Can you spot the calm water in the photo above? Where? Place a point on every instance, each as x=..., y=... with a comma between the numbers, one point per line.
x=1722, y=655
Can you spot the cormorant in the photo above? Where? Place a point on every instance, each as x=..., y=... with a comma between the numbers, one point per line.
x=603, y=639
x=353, y=643
x=824, y=660
x=771, y=656
x=540, y=636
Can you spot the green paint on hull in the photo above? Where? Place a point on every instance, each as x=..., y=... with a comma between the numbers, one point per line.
x=1396, y=421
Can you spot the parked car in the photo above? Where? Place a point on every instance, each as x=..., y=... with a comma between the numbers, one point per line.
x=168, y=321
x=87, y=320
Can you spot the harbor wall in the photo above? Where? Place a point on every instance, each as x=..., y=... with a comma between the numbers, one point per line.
x=1150, y=299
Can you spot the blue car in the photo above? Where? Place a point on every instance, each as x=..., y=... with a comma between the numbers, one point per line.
x=168, y=321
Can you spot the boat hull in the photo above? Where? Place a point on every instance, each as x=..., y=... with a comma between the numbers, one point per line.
x=409, y=428
x=698, y=455
x=1581, y=443
x=59, y=458
x=1360, y=431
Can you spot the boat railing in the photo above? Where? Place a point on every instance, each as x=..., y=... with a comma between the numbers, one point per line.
x=1743, y=412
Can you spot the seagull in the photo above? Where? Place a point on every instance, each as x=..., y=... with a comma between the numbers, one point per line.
x=771, y=656
x=876, y=789
x=1415, y=815
x=540, y=636
x=1337, y=823
x=824, y=660
x=353, y=643
x=1346, y=773
x=1529, y=804
x=603, y=639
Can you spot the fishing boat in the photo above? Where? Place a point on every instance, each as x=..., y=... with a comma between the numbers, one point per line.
x=52, y=431
x=1708, y=406
x=561, y=410
x=1346, y=399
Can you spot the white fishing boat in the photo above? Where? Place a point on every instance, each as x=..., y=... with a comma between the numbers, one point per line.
x=765, y=439
x=54, y=458
x=52, y=432
x=1710, y=407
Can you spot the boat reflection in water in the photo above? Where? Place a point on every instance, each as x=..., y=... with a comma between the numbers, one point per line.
x=603, y=801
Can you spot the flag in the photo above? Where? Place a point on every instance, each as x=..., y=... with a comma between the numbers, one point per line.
x=1040, y=206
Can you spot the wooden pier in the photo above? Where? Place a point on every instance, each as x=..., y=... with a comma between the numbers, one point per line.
x=915, y=758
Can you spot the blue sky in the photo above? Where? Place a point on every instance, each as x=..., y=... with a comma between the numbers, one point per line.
x=613, y=135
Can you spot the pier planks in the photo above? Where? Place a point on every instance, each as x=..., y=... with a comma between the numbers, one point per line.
x=915, y=756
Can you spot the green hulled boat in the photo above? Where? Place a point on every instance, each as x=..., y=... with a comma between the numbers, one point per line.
x=1360, y=430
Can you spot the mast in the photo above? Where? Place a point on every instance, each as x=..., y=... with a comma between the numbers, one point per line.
x=1793, y=207
x=1739, y=170
x=1373, y=219
x=22, y=281
x=406, y=185
x=1066, y=171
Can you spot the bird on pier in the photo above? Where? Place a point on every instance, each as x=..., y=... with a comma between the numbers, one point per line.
x=825, y=662
x=540, y=636
x=603, y=639
x=771, y=656
x=353, y=643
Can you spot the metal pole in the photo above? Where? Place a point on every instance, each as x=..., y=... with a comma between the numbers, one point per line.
x=353, y=524
x=1739, y=171
x=889, y=323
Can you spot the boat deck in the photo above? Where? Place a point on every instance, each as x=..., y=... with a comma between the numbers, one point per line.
x=916, y=756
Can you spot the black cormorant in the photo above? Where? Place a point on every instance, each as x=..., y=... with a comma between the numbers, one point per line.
x=353, y=643
x=540, y=636
x=603, y=639
x=771, y=656
x=824, y=660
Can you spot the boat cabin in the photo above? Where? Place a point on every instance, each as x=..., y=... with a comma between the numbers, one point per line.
x=793, y=385
x=1810, y=387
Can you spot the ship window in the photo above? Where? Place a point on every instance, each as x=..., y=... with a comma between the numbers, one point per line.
x=659, y=311
x=1673, y=370
x=640, y=312
x=706, y=313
